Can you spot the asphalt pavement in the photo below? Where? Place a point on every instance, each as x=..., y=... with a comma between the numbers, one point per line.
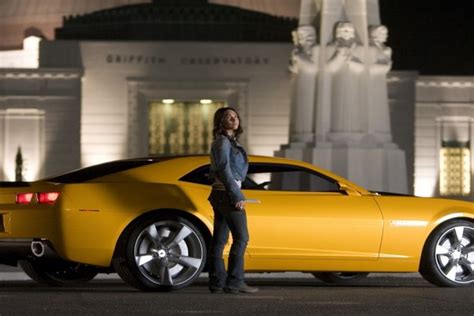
x=280, y=294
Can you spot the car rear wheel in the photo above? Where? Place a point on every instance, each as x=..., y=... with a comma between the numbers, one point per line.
x=58, y=273
x=160, y=253
x=340, y=277
x=448, y=257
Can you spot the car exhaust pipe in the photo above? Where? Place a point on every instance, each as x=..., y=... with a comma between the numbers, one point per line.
x=37, y=248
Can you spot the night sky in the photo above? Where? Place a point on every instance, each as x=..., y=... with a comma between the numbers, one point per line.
x=435, y=37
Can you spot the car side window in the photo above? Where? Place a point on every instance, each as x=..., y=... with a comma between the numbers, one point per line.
x=199, y=175
x=273, y=177
x=279, y=177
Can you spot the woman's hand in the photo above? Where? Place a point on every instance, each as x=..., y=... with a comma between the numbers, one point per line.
x=240, y=205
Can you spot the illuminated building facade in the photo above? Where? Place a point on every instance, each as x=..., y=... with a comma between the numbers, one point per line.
x=81, y=100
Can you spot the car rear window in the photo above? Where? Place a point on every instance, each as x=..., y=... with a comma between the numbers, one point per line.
x=97, y=171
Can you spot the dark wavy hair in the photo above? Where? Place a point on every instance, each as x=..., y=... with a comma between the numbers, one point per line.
x=218, y=122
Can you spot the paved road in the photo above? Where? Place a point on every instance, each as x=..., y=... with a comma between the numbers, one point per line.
x=280, y=294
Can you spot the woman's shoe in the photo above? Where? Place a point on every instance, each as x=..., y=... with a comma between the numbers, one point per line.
x=216, y=289
x=244, y=288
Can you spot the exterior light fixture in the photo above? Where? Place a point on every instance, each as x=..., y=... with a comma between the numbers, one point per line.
x=205, y=101
x=168, y=101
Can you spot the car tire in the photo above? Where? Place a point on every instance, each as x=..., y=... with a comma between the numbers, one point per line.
x=160, y=253
x=448, y=255
x=58, y=273
x=340, y=277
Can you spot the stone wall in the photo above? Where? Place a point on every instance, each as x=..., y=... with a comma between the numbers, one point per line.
x=40, y=112
x=121, y=78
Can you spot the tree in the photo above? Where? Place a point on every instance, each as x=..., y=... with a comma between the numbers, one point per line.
x=19, y=165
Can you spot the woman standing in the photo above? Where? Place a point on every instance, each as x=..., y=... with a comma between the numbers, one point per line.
x=229, y=167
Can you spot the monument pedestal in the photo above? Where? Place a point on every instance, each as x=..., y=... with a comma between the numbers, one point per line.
x=376, y=167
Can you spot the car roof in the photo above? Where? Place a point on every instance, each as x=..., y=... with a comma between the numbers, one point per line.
x=170, y=168
x=191, y=162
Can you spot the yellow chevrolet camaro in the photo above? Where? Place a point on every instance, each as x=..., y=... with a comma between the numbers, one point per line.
x=149, y=220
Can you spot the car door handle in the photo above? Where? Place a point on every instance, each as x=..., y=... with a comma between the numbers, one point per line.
x=254, y=201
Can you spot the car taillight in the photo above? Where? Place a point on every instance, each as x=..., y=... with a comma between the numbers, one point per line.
x=24, y=198
x=47, y=197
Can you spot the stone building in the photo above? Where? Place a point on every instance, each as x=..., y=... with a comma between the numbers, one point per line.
x=89, y=93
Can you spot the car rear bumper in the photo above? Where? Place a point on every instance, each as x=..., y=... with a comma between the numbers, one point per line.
x=12, y=250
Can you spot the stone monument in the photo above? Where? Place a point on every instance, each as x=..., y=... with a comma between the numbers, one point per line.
x=340, y=115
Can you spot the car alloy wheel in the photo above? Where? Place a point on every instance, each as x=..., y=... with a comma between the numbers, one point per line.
x=161, y=253
x=168, y=253
x=448, y=255
x=454, y=254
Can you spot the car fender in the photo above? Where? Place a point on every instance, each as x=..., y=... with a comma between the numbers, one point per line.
x=92, y=225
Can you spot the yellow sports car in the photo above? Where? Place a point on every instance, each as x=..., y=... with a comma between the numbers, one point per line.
x=149, y=220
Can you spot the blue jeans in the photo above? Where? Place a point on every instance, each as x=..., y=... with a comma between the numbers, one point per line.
x=227, y=218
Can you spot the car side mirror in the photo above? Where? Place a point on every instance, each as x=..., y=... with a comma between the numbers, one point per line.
x=349, y=190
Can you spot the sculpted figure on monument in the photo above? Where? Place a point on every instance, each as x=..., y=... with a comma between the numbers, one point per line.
x=380, y=63
x=345, y=70
x=304, y=66
x=378, y=37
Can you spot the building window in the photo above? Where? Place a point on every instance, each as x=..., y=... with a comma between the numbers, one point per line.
x=181, y=127
x=455, y=169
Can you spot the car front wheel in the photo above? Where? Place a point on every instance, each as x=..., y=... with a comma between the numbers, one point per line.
x=160, y=253
x=448, y=257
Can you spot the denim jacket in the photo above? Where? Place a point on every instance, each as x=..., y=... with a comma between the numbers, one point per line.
x=229, y=163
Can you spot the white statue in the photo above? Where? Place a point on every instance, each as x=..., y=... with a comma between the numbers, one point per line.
x=346, y=71
x=379, y=64
x=304, y=66
x=378, y=37
x=350, y=118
